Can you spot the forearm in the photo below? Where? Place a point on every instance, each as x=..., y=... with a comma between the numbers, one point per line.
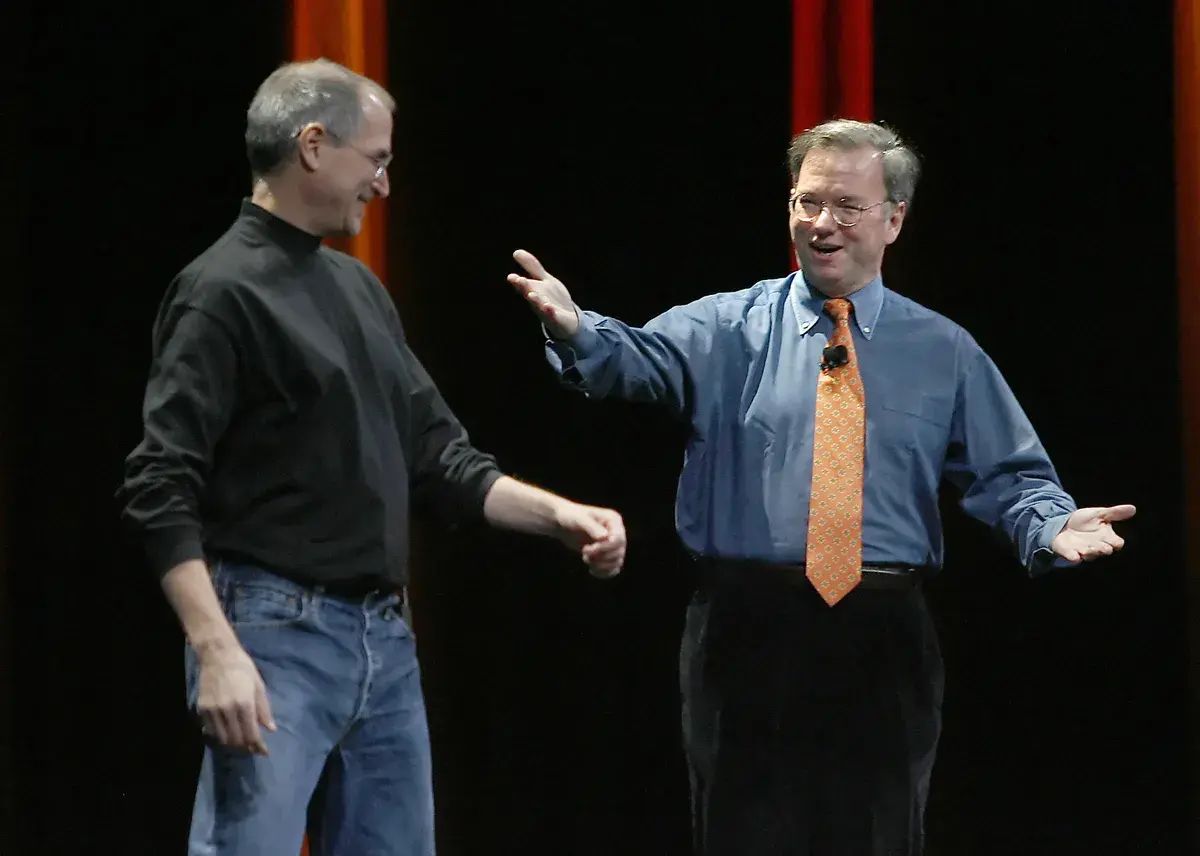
x=190, y=592
x=1027, y=505
x=607, y=357
x=511, y=504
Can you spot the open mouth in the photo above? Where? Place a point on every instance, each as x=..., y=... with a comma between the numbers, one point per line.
x=823, y=249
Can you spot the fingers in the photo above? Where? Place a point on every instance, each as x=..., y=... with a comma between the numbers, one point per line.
x=234, y=725
x=233, y=706
x=529, y=262
x=1095, y=551
x=523, y=284
x=606, y=557
x=213, y=725
x=264, y=708
x=251, y=735
x=543, y=306
x=606, y=570
x=600, y=552
x=592, y=526
x=1118, y=512
x=1103, y=543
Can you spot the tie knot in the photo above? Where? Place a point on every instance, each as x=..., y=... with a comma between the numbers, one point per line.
x=838, y=309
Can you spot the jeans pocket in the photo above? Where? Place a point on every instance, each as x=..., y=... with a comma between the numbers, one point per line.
x=252, y=606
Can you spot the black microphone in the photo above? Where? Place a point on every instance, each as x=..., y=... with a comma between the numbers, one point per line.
x=833, y=357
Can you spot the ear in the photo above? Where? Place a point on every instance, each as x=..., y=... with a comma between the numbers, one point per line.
x=895, y=221
x=308, y=145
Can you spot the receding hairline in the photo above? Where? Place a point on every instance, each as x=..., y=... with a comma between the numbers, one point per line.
x=901, y=165
x=322, y=69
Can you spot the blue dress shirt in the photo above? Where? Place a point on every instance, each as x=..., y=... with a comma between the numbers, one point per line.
x=742, y=368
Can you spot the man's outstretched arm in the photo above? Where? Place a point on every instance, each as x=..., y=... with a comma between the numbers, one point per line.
x=598, y=534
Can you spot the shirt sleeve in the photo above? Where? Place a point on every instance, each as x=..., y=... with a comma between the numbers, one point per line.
x=189, y=399
x=652, y=364
x=996, y=459
x=448, y=474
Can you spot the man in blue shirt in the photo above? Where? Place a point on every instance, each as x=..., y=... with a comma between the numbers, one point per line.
x=825, y=410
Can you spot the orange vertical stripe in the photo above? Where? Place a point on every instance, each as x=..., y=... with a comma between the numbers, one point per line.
x=353, y=33
x=1187, y=184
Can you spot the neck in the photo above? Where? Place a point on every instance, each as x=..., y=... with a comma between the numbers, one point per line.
x=284, y=204
x=838, y=289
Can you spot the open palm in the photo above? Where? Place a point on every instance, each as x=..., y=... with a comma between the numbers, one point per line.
x=1089, y=533
x=547, y=296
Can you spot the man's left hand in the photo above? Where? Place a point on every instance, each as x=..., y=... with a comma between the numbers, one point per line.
x=1089, y=533
x=597, y=533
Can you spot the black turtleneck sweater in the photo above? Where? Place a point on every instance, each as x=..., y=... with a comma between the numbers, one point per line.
x=287, y=423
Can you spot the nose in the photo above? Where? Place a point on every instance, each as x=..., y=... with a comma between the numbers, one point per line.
x=382, y=185
x=824, y=224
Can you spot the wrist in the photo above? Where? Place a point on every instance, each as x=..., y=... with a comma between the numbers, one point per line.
x=562, y=516
x=213, y=643
x=563, y=332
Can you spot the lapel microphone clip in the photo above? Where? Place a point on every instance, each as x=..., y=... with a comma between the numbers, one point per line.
x=834, y=356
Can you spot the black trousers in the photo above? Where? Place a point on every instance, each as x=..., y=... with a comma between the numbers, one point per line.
x=810, y=730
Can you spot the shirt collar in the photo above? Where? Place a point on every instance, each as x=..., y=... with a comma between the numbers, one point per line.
x=808, y=304
x=277, y=230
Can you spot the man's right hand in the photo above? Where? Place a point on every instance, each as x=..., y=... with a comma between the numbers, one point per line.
x=232, y=699
x=548, y=297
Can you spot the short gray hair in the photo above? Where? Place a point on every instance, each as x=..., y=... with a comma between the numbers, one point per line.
x=297, y=94
x=901, y=166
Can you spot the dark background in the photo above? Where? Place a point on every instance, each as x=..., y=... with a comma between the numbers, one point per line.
x=638, y=149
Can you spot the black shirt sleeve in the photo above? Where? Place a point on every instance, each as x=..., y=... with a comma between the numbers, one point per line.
x=449, y=475
x=189, y=400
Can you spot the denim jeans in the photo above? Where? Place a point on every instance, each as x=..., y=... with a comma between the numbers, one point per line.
x=344, y=688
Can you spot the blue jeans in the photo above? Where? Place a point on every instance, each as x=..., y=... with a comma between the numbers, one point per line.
x=344, y=687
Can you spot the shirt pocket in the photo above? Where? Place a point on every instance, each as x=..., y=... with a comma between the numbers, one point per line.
x=912, y=417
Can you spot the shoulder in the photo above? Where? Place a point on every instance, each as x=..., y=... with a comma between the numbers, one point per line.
x=362, y=287
x=225, y=283
x=728, y=309
x=925, y=322
x=939, y=340
x=354, y=274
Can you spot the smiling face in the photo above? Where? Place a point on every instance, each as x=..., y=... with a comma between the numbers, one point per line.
x=839, y=260
x=343, y=176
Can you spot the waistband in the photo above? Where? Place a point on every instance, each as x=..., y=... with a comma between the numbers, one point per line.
x=881, y=575
x=354, y=590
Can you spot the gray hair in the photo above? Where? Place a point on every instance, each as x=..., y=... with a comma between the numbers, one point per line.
x=297, y=94
x=901, y=166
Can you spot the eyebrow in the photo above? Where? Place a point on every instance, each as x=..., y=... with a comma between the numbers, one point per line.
x=850, y=199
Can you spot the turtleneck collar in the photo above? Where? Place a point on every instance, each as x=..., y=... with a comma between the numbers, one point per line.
x=277, y=230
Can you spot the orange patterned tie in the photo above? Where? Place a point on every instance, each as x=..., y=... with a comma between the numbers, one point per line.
x=833, y=563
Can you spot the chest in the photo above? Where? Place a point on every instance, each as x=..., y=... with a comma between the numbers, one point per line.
x=909, y=380
x=323, y=344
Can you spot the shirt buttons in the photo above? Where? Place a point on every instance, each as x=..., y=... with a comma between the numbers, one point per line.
x=866, y=329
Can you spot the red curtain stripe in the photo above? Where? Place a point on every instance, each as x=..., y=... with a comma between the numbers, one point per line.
x=833, y=62
x=1187, y=184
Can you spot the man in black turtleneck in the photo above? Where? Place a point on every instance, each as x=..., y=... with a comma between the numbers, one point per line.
x=288, y=432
